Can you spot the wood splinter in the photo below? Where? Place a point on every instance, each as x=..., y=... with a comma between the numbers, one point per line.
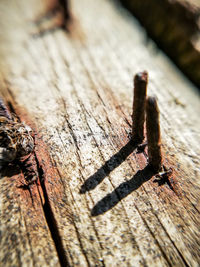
x=153, y=134
x=139, y=102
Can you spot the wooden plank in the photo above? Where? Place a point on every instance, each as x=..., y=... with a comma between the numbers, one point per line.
x=102, y=205
x=25, y=236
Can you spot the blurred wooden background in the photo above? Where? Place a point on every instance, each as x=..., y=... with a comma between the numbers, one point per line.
x=175, y=27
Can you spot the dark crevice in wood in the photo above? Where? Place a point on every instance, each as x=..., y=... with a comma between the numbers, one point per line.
x=50, y=219
x=31, y=168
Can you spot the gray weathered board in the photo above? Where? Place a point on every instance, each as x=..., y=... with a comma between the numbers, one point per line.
x=98, y=205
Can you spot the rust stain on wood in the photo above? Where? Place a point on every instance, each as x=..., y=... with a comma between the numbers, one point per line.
x=40, y=190
x=40, y=158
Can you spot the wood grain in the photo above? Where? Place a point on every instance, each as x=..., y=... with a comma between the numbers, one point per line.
x=96, y=202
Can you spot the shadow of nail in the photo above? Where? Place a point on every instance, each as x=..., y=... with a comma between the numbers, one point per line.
x=123, y=190
x=108, y=167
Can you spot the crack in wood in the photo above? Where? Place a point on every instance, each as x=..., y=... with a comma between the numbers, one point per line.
x=32, y=171
x=50, y=218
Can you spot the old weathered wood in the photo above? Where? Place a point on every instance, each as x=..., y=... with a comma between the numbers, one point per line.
x=95, y=203
x=174, y=24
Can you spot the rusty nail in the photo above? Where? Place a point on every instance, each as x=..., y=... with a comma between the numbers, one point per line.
x=153, y=134
x=139, y=102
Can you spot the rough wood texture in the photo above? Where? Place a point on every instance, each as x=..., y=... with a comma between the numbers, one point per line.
x=174, y=24
x=96, y=203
